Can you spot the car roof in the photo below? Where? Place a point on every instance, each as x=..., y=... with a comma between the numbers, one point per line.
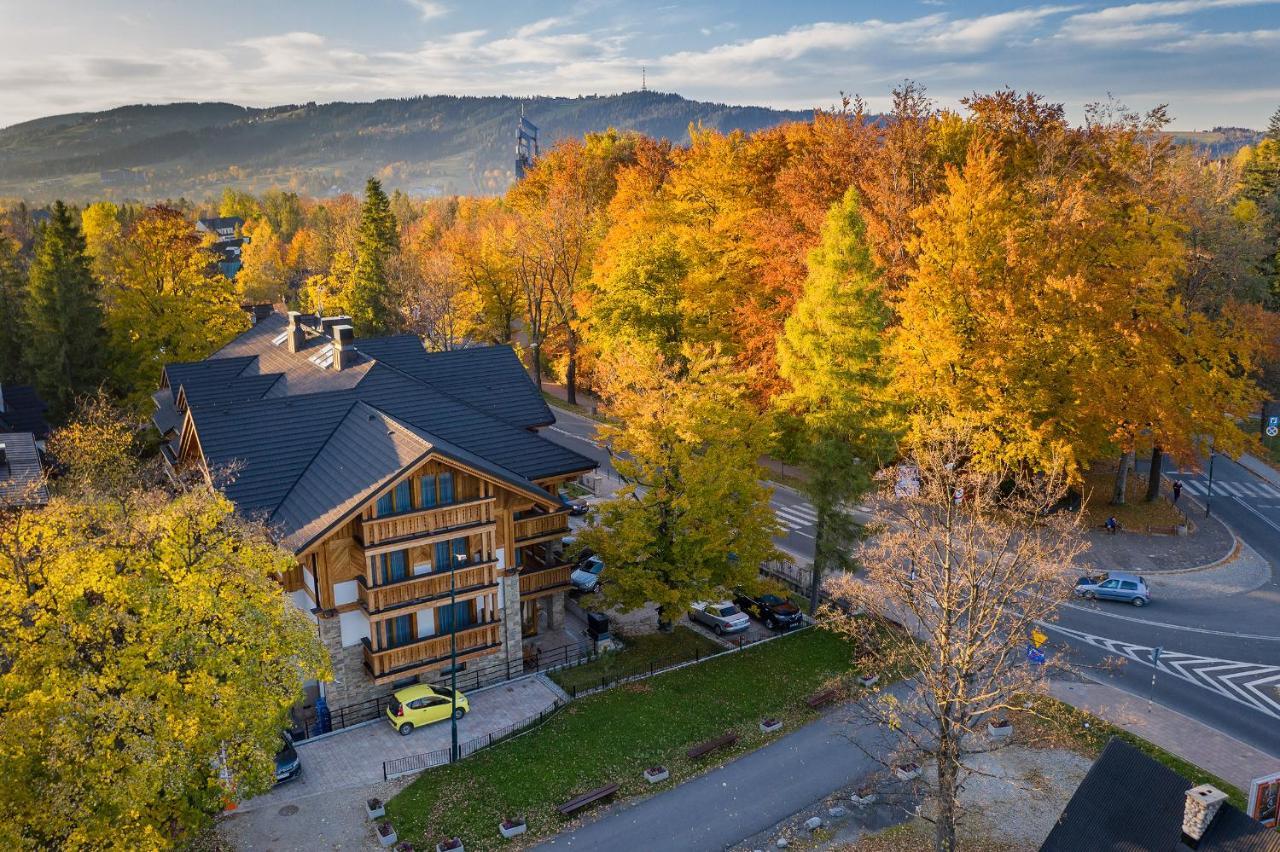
x=1121, y=575
x=418, y=690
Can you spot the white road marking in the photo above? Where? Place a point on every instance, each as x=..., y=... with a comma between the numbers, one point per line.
x=1259, y=515
x=1244, y=685
x=1169, y=626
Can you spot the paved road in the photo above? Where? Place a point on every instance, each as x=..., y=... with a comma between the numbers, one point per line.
x=1219, y=632
x=740, y=799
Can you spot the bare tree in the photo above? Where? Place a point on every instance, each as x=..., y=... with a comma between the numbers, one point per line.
x=969, y=563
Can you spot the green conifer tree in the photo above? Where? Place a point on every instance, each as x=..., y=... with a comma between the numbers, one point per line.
x=12, y=320
x=64, y=316
x=371, y=309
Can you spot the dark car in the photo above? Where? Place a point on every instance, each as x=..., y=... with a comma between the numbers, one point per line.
x=776, y=613
x=288, y=766
x=576, y=505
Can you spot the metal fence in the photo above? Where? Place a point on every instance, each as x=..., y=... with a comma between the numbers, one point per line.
x=410, y=764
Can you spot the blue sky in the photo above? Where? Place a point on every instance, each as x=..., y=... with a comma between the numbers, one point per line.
x=1213, y=61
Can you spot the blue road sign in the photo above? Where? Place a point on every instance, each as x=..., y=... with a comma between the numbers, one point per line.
x=1035, y=655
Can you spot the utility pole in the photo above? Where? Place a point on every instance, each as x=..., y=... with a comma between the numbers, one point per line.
x=453, y=662
x=1208, y=497
x=1155, y=668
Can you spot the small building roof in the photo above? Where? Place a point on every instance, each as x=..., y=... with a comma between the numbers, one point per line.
x=22, y=410
x=21, y=474
x=1129, y=801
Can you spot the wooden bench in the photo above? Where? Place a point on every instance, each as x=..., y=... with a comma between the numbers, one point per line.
x=823, y=698
x=726, y=739
x=588, y=798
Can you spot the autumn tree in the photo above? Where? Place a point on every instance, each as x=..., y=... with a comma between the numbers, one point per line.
x=64, y=316
x=166, y=302
x=831, y=356
x=433, y=299
x=236, y=202
x=102, y=228
x=692, y=520
x=369, y=298
x=264, y=275
x=970, y=563
x=146, y=647
x=475, y=243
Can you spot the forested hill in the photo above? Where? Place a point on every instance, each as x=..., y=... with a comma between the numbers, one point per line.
x=425, y=145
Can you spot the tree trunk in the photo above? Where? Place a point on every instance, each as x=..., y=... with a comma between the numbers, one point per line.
x=1122, y=478
x=536, y=368
x=571, y=372
x=1153, y=476
x=664, y=620
x=945, y=828
x=818, y=567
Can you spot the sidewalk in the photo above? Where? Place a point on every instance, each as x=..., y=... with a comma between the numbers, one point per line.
x=1193, y=741
x=1261, y=469
x=1210, y=543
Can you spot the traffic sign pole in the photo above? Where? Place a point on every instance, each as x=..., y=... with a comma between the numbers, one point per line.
x=1155, y=668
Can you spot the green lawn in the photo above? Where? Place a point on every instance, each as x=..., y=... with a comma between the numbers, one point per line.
x=614, y=735
x=641, y=654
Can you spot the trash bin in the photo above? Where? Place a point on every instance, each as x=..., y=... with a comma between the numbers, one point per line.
x=597, y=626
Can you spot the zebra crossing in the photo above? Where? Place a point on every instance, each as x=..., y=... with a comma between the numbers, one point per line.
x=796, y=517
x=1255, y=685
x=1254, y=490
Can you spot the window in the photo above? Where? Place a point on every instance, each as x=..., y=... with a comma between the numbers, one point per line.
x=427, y=490
x=446, y=489
x=386, y=504
x=1128, y=586
x=451, y=553
x=456, y=617
x=399, y=631
x=392, y=566
x=398, y=499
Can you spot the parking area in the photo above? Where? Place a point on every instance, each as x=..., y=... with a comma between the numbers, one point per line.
x=354, y=757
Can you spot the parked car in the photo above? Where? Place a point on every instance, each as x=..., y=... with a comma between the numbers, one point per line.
x=573, y=553
x=1115, y=586
x=586, y=577
x=776, y=613
x=722, y=617
x=288, y=766
x=576, y=505
x=420, y=704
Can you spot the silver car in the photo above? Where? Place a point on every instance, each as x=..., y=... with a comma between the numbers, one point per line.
x=586, y=577
x=722, y=617
x=1115, y=586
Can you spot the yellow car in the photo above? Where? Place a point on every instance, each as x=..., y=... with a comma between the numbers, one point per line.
x=418, y=705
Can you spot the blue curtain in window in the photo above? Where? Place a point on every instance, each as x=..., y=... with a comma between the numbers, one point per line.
x=395, y=566
x=446, y=489
x=404, y=496
x=399, y=631
x=386, y=504
x=442, y=556
x=459, y=551
x=428, y=491
x=456, y=617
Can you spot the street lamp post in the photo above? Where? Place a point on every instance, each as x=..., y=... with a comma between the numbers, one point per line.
x=453, y=664
x=1208, y=498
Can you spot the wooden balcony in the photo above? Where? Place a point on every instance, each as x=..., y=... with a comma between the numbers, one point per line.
x=536, y=582
x=469, y=581
x=423, y=523
x=397, y=663
x=542, y=527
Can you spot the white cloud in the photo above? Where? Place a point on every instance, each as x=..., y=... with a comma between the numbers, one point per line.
x=428, y=9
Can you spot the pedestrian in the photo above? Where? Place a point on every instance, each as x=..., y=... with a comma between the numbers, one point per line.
x=1112, y=524
x=1177, y=492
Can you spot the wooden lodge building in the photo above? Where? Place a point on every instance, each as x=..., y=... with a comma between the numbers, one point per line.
x=390, y=473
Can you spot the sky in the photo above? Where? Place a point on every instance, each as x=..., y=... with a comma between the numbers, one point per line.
x=1214, y=62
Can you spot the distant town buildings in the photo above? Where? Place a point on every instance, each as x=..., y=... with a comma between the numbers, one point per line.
x=227, y=241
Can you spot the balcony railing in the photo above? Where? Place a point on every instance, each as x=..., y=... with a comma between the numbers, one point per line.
x=536, y=580
x=395, y=663
x=425, y=522
x=540, y=527
x=424, y=587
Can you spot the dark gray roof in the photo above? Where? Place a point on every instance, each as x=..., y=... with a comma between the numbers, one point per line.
x=22, y=410
x=1130, y=802
x=270, y=422
x=21, y=476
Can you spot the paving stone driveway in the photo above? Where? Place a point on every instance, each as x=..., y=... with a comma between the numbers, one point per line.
x=353, y=758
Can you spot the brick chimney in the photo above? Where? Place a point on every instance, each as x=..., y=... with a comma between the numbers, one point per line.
x=344, y=346
x=327, y=324
x=296, y=335
x=1201, y=807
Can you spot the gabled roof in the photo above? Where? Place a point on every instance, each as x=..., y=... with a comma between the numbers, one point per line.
x=1129, y=801
x=270, y=422
x=21, y=476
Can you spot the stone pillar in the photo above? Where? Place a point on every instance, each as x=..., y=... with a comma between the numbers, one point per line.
x=555, y=615
x=512, y=635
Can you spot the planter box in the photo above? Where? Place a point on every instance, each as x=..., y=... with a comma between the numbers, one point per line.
x=373, y=812
x=455, y=845
x=386, y=839
x=512, y=828
x=1181, y=529
x=869, y=681
x=999, y=732
x=768, y=726
x=906, y=771
x=656, y=774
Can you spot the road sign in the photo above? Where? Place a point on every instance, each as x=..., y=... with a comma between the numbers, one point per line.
x=1273, y=426
x=1272, y=431
x=1036, y=657
x=1038, y=638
